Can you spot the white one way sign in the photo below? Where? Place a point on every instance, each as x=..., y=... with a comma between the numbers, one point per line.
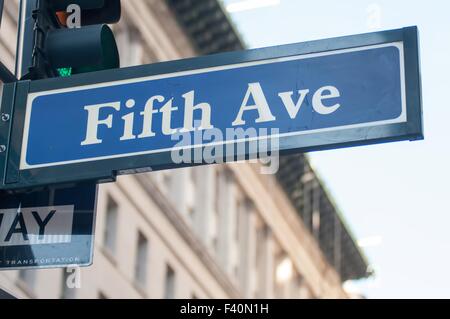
x=36, y=226
x=48, y=229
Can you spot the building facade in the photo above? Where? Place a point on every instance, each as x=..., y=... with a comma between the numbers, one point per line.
x=219, y=231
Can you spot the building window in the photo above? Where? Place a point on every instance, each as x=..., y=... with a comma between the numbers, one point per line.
x=167, y=181
x=163, y=180
x=215, y=243
x=169, y=289
x=240, y=211
x=130, y=46
x=216, y=214
x=141, y=261
x=260, y=258
x=191, y=193
x=110, y=234
x=28, y=277
x=101, y=295
x=284, y=273
x=217, y=192
x=66, y=291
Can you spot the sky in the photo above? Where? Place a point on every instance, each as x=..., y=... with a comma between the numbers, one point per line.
x=394, y=197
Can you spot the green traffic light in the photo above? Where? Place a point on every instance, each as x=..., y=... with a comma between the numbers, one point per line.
x=65, y=72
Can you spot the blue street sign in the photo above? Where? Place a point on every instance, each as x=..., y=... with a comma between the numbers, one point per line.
x=297, y=95
x=309, y=96
x=47, y=229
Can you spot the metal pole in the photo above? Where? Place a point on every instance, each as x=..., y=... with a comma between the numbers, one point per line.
x=26, y=38
x=1, y=10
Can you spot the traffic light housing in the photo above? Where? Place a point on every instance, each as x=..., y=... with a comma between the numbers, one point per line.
x=92, y=11
x=89, y=47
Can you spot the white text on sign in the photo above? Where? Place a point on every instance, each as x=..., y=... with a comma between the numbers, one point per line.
x=254, y=100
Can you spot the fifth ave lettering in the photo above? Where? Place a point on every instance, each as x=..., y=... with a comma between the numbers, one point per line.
x=254, y=100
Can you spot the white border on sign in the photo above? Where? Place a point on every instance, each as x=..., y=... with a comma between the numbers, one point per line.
x=401, y=119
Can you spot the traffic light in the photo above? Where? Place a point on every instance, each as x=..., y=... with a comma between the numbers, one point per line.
x=50, y=48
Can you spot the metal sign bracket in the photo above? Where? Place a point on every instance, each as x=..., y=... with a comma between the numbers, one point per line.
x=6, y=119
